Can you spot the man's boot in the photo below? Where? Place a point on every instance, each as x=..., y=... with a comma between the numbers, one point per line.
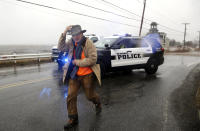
x=72, y=122
x=98, y=108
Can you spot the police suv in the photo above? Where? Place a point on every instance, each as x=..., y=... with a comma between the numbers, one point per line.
x=127, y=53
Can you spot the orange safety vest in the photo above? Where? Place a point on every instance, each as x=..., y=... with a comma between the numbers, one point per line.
x=83, y=70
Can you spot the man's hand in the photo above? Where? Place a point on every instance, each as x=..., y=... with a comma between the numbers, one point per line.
x=74, y=62
x=67, y=29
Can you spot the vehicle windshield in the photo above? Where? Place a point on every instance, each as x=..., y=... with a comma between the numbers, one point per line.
x=101, y=43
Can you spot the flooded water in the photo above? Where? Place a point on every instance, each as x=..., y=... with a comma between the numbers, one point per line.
x=20, y=49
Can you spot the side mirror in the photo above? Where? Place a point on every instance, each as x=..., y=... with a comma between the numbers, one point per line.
x=94, y=41
x=106, y=45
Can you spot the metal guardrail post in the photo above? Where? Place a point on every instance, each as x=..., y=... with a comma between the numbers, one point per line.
x=38, y=58
x=15, y=69
x=15, y=62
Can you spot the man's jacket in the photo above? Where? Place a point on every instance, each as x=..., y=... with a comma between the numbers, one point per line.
x=89, y=60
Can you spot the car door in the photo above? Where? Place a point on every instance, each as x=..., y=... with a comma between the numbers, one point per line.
x=142, y=50
x=128, y=52
x=121, y=53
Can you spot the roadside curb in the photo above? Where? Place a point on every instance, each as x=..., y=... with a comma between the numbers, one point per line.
x=184, y=54
x=197, y=99
x=183, y=101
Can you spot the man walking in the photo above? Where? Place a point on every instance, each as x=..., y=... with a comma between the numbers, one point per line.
x=84, y=71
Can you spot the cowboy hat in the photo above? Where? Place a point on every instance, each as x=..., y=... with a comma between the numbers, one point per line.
x=76, y=29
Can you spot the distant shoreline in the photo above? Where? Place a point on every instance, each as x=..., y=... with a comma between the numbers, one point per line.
x=20, y=49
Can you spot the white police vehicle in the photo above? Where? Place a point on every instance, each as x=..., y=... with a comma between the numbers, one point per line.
x=127, y=53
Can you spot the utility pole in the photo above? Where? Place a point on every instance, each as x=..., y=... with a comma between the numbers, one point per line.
x=142, y=18
x=185, y=32
x=199, y=39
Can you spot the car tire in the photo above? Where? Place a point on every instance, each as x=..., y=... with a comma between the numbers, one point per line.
x=151, y=67
x=52, y=59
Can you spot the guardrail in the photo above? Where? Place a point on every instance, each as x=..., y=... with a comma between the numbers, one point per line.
x=15, y=57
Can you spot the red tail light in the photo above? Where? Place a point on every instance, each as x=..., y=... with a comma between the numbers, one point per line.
x=162, y=49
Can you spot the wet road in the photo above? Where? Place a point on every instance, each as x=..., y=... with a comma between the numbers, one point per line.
x=33, y=99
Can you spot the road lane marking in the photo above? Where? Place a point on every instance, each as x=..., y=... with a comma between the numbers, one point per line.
x=165, y=114
x=24, y=82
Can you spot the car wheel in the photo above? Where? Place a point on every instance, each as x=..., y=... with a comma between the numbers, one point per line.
x=151, y=67
x=52, y=59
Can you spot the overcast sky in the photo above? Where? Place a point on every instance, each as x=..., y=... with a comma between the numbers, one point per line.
x=27, y=24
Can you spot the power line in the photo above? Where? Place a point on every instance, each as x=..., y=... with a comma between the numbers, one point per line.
x=171, y=29
x=54, y=8
x=78, y=14
x=27, y=7
x=118, y=14
x=120, y=8
x=102, y=10
x=164, y=16
x=159, y=13
x=138, y=15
